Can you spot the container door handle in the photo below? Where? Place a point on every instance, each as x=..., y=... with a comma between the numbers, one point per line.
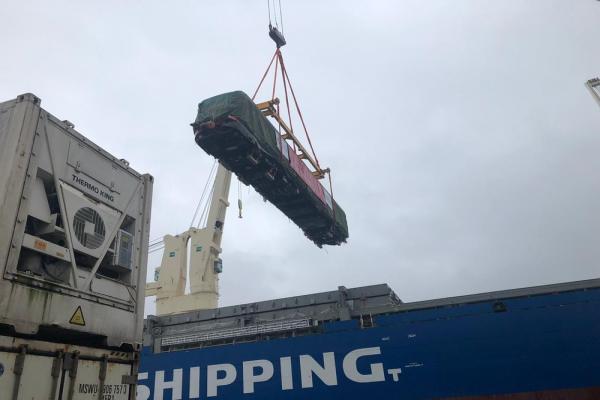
x=102, y=375
x=70, y=364
x=55, y=373
x=18, y=371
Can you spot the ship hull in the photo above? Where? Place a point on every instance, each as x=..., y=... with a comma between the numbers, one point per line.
x=545, y=346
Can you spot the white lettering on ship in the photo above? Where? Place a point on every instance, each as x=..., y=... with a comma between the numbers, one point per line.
x=255, y=372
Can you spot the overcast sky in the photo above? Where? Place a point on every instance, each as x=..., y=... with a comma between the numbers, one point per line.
x=464, y=146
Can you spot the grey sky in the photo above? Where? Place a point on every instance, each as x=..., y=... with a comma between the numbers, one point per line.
x=464, y=146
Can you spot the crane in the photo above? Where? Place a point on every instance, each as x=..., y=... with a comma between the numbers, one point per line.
x=204, y=244
x=594, y=86
x=204, y=262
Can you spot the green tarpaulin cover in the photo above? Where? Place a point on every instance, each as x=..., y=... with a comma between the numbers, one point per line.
x=232, y=129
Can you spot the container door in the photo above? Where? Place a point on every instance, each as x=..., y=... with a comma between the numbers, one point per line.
x=35, y=377
x=26, y=376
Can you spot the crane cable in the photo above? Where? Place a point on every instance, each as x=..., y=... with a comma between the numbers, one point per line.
x=278, y=59
x=157, y=244
x=204, y=216
x=277, y=22
x=280, y=16
x=204, y=191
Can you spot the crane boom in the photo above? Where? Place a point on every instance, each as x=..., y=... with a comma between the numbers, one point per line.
x=594, y=86
x=204, y=262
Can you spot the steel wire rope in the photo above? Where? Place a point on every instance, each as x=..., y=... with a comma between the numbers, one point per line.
x=280, y=16
x=210, y=174
x=275, y=15
x=156, y=249
x=204, y=216
x=158, y=243
x=154, y=242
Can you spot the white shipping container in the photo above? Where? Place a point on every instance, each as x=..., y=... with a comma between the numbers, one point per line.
x=74, y=224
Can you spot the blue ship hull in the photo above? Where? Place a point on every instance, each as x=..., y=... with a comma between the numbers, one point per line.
x=543, y=346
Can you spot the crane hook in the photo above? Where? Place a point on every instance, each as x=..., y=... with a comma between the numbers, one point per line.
x=277, y=36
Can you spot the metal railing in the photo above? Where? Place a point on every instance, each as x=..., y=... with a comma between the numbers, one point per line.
x=251, y=330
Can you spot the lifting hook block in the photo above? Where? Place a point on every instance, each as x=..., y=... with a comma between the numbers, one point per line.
x=276, y=36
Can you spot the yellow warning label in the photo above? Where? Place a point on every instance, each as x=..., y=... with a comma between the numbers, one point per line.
x=77, y=318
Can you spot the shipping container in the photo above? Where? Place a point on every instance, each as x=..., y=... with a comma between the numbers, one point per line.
x=74, y=223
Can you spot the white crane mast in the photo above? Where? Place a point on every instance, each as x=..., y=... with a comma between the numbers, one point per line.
x=204, y=262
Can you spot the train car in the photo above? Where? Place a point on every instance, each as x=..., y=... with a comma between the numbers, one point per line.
x=231, y=128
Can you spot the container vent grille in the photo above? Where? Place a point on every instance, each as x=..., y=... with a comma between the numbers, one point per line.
x=89, y=228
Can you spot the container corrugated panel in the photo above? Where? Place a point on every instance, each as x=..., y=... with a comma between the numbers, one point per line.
x=231, y=128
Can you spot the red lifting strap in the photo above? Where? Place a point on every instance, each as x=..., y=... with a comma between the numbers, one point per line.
x=265, y=74
x=278, y=58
